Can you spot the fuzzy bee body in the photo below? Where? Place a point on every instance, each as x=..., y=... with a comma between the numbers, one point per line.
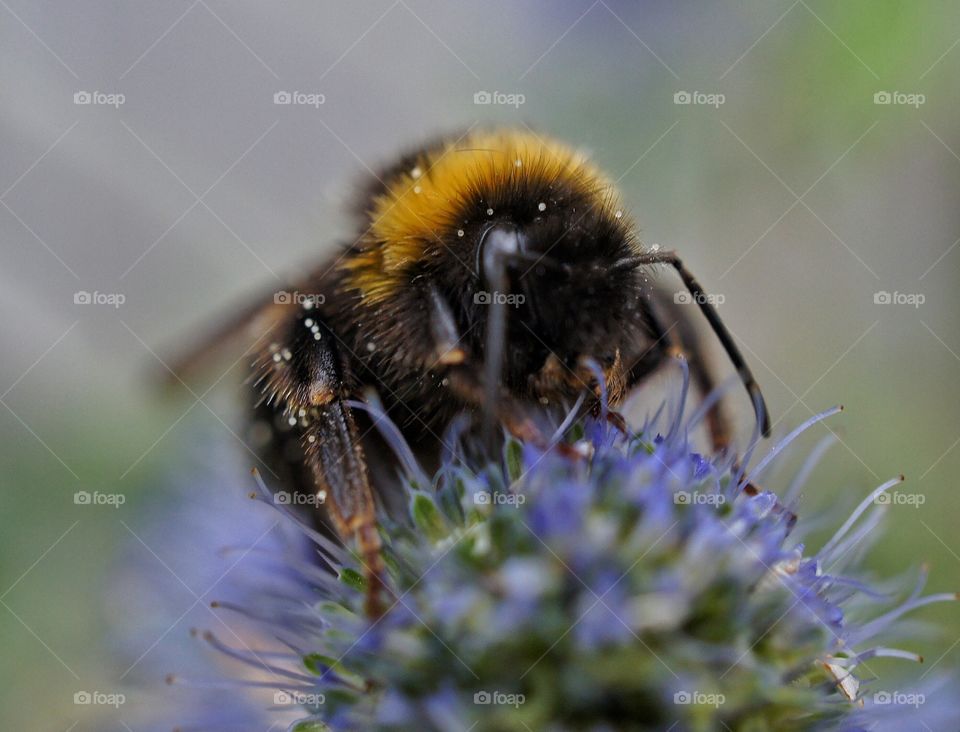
x=494, y=273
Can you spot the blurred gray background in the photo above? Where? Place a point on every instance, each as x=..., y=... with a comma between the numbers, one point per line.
x=826, y=174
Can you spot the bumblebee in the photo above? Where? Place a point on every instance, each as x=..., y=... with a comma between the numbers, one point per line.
x=495, y=273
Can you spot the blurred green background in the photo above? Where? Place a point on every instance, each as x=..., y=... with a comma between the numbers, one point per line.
x=798, y=195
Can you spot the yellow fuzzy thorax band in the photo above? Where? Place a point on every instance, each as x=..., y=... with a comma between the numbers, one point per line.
x=440, y=195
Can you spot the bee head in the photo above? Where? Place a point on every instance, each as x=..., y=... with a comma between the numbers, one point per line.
x=565, y=289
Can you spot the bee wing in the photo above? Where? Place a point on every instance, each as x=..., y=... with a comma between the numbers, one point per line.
x=240, y=330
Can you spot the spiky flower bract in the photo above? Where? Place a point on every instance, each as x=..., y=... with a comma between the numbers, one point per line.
x=639, y=588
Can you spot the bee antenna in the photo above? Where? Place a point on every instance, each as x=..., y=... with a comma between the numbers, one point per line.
x=719, y=329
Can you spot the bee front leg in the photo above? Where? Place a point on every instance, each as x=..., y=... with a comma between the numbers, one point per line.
x=304, y=377
x=465, y=376
x=448, y=349
x=466, y=381
x=333, y=453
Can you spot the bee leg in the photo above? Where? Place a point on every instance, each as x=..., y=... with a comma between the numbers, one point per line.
x=619, y=422
x=334, y=455
x=555, y=376
x=447, y=348
x=466, y=377
x=752, y=489
x=303, y=377
x=507, y=410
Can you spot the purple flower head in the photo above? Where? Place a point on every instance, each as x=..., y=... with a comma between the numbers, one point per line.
x=641, y=587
